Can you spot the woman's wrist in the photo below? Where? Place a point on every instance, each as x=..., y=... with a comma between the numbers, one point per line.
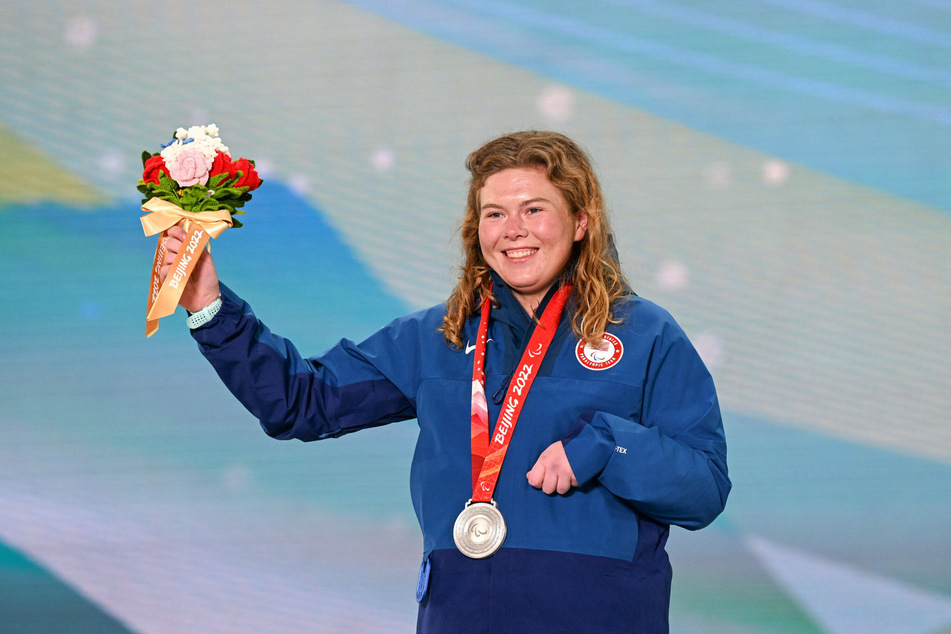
x=197, y=303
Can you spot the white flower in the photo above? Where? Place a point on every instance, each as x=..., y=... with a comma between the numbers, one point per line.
x=170, y=154
x=199, y=137
x=206, y=139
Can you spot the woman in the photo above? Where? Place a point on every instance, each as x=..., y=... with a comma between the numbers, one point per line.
x=561, y=524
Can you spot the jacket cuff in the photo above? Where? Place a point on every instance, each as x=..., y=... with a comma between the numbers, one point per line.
x=588, y=446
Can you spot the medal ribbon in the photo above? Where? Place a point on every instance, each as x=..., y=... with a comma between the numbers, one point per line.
x=487, y=457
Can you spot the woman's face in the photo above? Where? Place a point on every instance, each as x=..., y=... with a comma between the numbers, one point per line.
x=526, y=231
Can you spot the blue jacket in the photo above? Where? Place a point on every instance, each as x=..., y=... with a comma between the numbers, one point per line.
x=644, y=438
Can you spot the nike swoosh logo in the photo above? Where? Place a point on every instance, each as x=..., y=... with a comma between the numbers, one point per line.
x=469, y=348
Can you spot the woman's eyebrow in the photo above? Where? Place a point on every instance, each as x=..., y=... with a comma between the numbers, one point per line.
x=524, y=203
x=534, y=201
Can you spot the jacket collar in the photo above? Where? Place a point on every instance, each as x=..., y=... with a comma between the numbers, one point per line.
x=510, y=311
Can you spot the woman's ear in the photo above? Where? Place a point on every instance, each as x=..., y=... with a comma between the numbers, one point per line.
x=581, y=225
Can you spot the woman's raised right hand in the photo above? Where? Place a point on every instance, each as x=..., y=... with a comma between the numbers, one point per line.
x=202, y=288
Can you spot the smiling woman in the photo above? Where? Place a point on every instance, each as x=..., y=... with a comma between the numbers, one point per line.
x=620, y=436
x=552, y=165
x=527, y=232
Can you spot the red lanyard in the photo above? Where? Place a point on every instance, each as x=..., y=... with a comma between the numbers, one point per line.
x=487, y=457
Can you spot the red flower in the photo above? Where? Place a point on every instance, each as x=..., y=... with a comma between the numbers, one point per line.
x=222, y=165
x=249, y=177
x=153, y=167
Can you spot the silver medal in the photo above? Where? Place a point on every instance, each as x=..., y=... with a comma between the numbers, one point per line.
x=479, y=530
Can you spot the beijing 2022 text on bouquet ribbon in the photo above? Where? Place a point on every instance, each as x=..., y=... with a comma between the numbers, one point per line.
x=192, y=182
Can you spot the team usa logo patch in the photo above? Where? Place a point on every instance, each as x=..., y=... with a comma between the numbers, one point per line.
x=602, y=357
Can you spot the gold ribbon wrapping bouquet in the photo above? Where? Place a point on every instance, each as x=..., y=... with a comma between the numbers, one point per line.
x=193, y=182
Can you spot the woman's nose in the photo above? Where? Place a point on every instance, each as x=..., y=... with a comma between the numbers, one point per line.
x=514, y=226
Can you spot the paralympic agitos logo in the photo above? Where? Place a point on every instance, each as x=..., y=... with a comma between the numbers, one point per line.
x=601, y=357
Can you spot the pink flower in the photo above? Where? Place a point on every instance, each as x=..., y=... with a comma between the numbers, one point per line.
x=191, y=168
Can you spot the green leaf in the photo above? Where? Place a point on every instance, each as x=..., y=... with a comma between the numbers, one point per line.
x=226, y=192
x=215, y=181
x=193, y=198
x=167, y=182
x=171, y=197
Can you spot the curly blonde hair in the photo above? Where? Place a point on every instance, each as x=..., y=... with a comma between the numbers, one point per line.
x=593, y=267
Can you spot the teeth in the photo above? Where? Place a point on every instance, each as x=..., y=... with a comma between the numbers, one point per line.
x=520, y=253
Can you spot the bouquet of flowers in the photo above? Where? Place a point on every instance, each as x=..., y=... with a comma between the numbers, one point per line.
x=195, y=172
x=192, y=182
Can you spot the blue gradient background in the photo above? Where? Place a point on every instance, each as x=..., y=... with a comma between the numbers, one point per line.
x=779, y=175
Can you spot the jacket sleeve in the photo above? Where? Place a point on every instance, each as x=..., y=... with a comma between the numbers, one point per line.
x=671, y=464
x=348, y=388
